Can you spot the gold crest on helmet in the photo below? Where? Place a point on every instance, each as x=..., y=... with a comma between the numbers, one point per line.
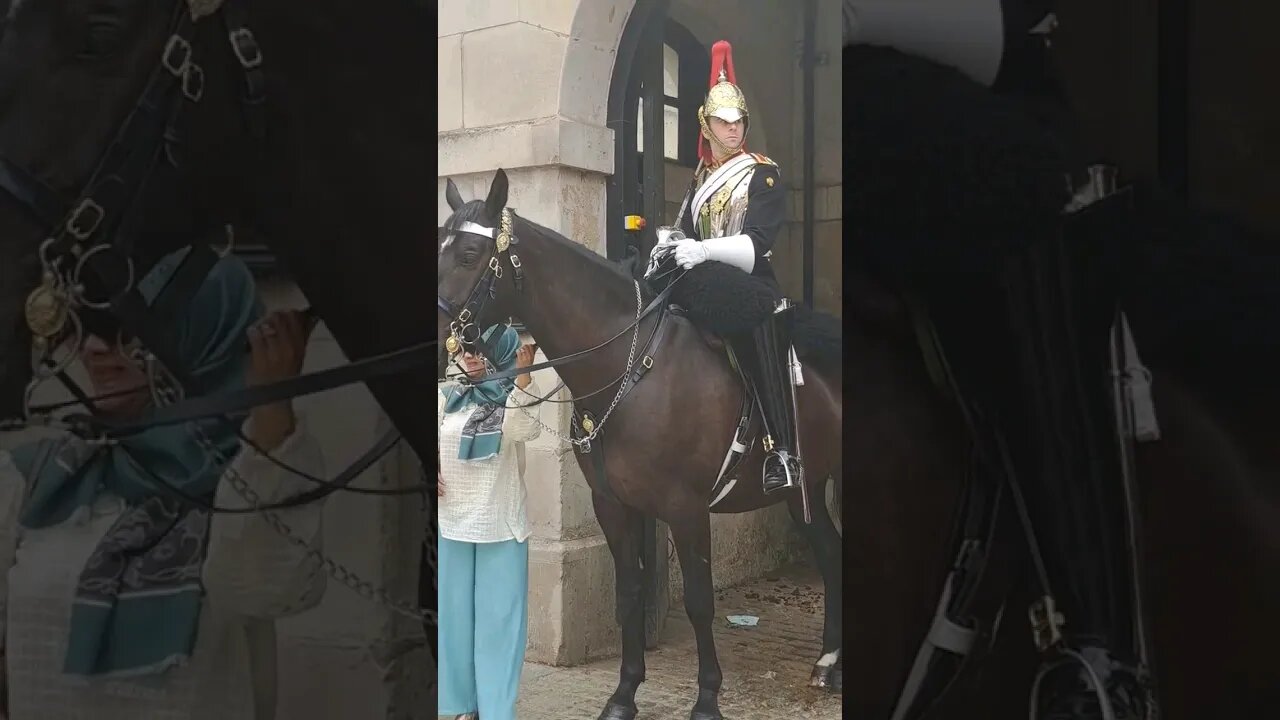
x=725, y=101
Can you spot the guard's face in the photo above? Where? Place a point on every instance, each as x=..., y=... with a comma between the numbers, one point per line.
x=730, y=134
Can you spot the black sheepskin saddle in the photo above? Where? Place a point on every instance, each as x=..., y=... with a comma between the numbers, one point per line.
x=722, y=300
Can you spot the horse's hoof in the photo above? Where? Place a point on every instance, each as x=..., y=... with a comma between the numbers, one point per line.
x=823, y=676
x=699, y=715
x=614, y=711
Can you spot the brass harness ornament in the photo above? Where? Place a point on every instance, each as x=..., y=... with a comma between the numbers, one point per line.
x=458, y=328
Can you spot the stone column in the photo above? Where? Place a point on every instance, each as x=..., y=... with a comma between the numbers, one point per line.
x=522, y=87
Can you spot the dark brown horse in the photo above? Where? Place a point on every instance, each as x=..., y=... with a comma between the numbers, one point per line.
x=334, y=187
x=938, y=168
x=1211, y=509
x=665, y=442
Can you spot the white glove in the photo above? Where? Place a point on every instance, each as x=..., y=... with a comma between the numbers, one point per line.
x=735, y=250
x=690, y=253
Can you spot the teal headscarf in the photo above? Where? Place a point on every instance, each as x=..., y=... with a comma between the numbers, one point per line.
x=482, y=433
x=137, y=605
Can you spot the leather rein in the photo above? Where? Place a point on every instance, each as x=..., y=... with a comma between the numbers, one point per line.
x=465, y=333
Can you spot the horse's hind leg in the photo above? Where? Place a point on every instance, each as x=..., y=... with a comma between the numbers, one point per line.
x=622, y=528
x=692, y=535
x=827, y=549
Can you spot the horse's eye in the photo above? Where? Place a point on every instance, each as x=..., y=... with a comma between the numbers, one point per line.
x=469, y=257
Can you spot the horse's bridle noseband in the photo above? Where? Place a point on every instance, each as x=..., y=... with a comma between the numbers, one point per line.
x=463, y=332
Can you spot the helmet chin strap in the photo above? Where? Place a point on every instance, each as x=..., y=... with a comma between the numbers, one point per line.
x=715, y=141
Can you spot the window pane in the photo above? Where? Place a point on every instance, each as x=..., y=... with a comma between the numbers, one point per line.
x=640, y=127
x=670, y=72
x=671, y=132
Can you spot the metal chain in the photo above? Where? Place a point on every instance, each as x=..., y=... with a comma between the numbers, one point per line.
x=622, y=387
x=336, y=570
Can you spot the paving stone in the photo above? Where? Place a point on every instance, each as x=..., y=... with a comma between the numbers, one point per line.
x=766, y=668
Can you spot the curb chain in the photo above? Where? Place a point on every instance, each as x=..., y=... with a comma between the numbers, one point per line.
x=336, y=570
x=622, y=388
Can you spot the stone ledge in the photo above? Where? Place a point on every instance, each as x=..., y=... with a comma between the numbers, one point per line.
x=544, y=142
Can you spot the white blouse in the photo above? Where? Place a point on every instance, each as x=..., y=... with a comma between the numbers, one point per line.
x=252, y=575
x=484, y=500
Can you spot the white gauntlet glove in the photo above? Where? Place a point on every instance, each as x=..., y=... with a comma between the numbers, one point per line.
x=690, y=253
x=735, y=250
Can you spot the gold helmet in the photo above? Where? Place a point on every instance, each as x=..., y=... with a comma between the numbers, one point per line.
x=724, y=99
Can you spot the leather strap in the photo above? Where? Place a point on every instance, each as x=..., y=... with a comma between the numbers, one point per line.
x=393, y=363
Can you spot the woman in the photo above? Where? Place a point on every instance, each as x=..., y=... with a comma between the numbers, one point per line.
x=122, y=601
x=483, y=555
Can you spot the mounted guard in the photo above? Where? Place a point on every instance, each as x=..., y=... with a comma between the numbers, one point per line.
x=731, y=214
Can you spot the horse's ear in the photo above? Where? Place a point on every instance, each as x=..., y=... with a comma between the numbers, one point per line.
x=452, y=196
x=497, y=199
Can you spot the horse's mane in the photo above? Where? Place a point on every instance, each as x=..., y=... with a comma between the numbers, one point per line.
x=594, y=259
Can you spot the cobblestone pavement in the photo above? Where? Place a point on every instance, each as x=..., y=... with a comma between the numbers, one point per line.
x=766, y=667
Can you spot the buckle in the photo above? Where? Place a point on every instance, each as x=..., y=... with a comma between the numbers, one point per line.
x=81, y=228
x=193, y=82
x=1046, y=623
x=245, y=47
x=647, y=362
x=176, y=43
x=515, y=261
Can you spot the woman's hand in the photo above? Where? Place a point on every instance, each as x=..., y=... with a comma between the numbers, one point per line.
x=524, y=358
x=439, y=483
x=279, y=345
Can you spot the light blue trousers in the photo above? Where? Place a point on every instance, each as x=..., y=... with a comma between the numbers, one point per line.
x=483, y=602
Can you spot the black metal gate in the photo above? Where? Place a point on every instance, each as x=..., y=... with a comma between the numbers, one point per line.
x=637, y=188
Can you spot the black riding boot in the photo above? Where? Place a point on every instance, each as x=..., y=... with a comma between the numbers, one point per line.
x=1061, y=434
x=764, y=357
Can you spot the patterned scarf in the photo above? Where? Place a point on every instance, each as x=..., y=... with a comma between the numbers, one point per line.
x=137, y=605
x=482, y=433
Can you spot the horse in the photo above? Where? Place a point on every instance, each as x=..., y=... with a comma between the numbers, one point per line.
x=1199, y=293
x=665, y=442
x=342, y=161
x=295, y=125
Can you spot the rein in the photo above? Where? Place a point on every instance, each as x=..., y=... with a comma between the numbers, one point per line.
x=465, y=333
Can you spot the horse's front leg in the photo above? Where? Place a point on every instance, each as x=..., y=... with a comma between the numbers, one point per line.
x=622, y=528
x=827, y=545
x=693, y=542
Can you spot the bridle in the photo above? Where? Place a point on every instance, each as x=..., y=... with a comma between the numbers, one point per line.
x=90, y=236
x=463, y=331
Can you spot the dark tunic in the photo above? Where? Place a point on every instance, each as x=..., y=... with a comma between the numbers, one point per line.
x=766, y=211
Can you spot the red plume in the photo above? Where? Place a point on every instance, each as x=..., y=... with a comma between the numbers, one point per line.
x=721, y=57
